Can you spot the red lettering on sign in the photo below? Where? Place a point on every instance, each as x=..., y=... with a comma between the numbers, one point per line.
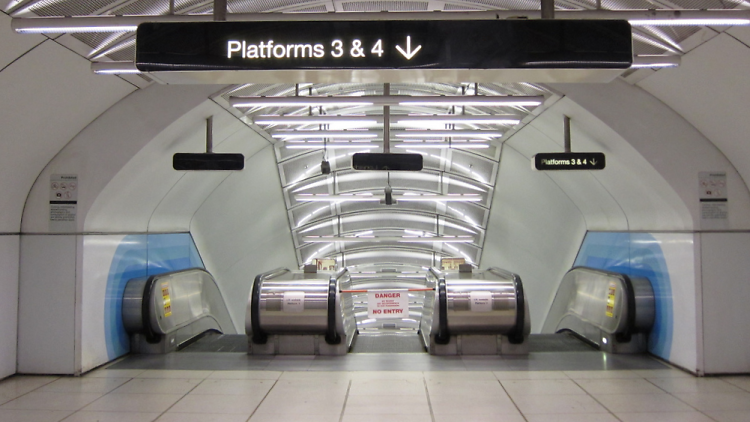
x=386, y=295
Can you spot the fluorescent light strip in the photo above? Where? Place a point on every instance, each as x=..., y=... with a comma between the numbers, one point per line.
x=655, y=61
x=315, y=120
x=114, y=68
x=457, y=119
x=693, y=22
x=315, y=134
x=375, y=239
x=332, y=145
x=75, y=29
x=447, y=134
x=442, y=145
x=372, y=198
x=383, y=100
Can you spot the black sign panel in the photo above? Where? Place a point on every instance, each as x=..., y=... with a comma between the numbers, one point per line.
x=569, y=161
x=391, y=162
x=208, y=161
x=497, y=44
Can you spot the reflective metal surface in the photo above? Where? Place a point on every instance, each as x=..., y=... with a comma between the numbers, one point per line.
x=163, y=311
x=607, y=309
x=296, y=312
x=479, y=312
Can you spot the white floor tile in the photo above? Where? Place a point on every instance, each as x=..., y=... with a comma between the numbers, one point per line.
x=695, y=385
x=202, y=417
x=246, y=375
x=541, y=387
x=663, y=373
x=201, y=403
x=730, y=415
x=147, y=403
x=459, y=376
x=558, y=404
x=530, y=375
x=184, y=374
x=394, y=417
x=452, y=404
x=83, y=385
x=400, y=405
x=233, y=387
x=111, y=417
x=283, y=417
x=716, y=401
x=583, y=375
x=480, y=417
x=300, y=405
x=619, y=386
x=740, y=381
x=642, y=402
x=52, y=401
x=316, y=376
x=19, y=385
x=401, y=375
x=377, y=387
x=575, y=417
x=463, y=388
x=664, y=417
x=24, y=415
x=158, y=386
x=114, y=373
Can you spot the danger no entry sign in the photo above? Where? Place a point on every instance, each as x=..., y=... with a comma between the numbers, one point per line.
x=388, y=304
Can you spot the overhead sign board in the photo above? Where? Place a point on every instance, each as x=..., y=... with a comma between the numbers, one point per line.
x=388, y=162
x=383, y=45
x=569, y=161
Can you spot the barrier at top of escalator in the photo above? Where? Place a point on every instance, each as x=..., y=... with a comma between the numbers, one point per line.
x=610, y=310
x=300, y=312
x=475, y=312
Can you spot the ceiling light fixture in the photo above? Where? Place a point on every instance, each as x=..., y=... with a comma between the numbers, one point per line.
x=448, y=134
x=443, y=145
x=315, y=120
x=400, y=239
x=655, y=61
x=317, y=134
x=460, y=119
x=57, y=25
x=331, y=145
x=114, y=68
x=387, y=100
x=304, y=197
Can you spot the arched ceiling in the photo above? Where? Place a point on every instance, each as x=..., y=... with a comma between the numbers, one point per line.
x=403, y=233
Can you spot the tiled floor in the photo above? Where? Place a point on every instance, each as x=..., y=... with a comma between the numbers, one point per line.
x=136, y=395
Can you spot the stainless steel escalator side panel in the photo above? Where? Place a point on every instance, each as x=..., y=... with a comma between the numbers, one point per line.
x=479, y=312
x=606, y=309
x=296, y=312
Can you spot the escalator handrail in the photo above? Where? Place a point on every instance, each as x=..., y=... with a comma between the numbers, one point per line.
x=332, y=336
x=443, y=333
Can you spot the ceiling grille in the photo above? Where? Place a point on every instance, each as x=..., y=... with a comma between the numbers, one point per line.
x=377, y=6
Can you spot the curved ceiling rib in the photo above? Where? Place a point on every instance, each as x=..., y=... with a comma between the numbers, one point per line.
x=441, y=211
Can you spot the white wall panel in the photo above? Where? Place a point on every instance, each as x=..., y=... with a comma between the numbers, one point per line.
x=9, y=253
x=45, y=106
x=534, y=230
x=14, y=45
x=100, y=151
x=726, y=294
x=242, y=230
x=46, y=309
x=710, y=90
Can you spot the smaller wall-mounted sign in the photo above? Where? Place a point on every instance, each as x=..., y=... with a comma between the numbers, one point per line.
x=63, y=202
x=568, y=161
x=714, y=199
